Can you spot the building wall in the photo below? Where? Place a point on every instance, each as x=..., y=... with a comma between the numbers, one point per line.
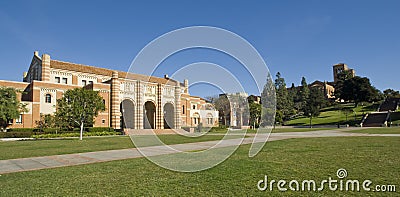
x=53, y=78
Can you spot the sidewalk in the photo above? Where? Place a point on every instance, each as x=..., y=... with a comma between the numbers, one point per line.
x=37, y=163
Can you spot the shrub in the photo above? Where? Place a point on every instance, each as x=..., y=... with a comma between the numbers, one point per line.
x=100, y=129
x=62, y=135
x=21, y=130
x=24, y=134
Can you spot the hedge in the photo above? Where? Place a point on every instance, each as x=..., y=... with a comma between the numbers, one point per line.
x=21, y=130
x=104, y=133
x=100, y=129
x=16, y=134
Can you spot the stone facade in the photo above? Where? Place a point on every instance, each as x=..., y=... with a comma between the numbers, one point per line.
x=132, y=101
x=338, y=68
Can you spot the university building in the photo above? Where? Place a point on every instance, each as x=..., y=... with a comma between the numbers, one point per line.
x=328, y=88
x=132, y=101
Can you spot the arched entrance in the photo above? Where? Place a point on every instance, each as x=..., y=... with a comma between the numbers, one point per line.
x=195, y=119
x=149, y=115
x=127, y=109
x=169, y=116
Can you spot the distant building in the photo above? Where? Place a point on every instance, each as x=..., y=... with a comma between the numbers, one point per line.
x=325, y=87
x=338, y=68
x=328, y=88
x=238, y=116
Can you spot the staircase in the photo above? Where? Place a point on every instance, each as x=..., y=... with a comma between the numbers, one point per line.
x=380, y=118
x=375, y=119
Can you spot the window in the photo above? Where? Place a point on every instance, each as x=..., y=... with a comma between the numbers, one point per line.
x=84, y=82
x=48, y=98
x=103, y=121
x=183, y=109
x=90, y=82
x=104, y=102
x=64, y=80
x=194, y=106
x=19, y=120
x=58, y=79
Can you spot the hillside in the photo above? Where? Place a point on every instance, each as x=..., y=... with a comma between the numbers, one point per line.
x=342, y=113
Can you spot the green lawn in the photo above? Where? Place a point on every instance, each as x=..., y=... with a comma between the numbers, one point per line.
x=384, y=130
x=331, y=115
x=276, y=130
x=33, y=148
x=373, y=158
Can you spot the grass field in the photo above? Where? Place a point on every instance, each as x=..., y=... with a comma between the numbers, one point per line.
x=276, y=130
x=33, y=148
x=386, y=130
x=373, y=158
x=332, y=115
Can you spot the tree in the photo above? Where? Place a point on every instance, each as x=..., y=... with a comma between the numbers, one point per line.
x=341, y=78
x=79, y=106
x=10, y=107
x=284, y=105
x=255, y=113
x=268, y=104
x=358, y=89
x=223, y=106
x=390, y=93
x=304, y=93
x=315, y=102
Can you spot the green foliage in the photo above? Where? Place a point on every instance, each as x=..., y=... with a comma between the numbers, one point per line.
x=304, y=94
x=79, y=106
x=24, y=134
x=358, y=89
x=224, y=108
x=61, y=135
x=100, y=129
x=21, y=130
x=390, y=93
x=268, y=103
x=255, y=113
x=10, y=107
x=314, y=103
x=284, y=104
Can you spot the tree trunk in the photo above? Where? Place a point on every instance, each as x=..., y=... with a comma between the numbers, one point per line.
x=81, y=134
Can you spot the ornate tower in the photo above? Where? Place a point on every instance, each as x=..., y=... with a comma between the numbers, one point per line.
x=115, y=103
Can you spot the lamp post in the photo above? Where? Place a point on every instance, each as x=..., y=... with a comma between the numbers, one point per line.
x=310, y=119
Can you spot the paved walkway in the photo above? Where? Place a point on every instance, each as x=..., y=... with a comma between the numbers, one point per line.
x=37, y=163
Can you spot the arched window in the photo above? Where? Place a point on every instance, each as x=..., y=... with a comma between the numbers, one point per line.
x=48, y=98
x=183, y=109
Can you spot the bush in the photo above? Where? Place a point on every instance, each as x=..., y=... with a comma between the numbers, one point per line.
x=62, y=135
x=100, y=129
x=21, y=130
x=24, y=134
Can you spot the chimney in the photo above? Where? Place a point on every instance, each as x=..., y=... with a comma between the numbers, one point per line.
x=45, y=67
x=186, y=83
x=166, y=76
x=24, y=75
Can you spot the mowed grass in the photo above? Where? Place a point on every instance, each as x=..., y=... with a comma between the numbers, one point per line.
x=331, y=115
x=276, y=130
x=34, y=148
x=373, y=158
x=383, y=130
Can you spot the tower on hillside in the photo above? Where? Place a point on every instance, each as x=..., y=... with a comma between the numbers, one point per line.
x=338, y=68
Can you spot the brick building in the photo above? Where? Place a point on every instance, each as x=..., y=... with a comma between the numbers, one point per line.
x=132, y=101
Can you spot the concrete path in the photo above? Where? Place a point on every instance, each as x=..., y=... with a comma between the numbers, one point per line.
x=37, y=163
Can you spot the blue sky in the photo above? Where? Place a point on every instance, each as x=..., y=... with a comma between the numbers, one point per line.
x=296, y=38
